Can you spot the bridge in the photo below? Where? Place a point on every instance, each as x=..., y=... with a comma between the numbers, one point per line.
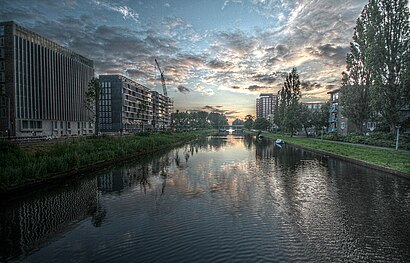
x=231, y=127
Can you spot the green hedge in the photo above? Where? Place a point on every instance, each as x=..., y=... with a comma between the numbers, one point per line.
x=375, y=139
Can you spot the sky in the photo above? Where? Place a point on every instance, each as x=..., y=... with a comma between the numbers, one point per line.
x=217, y=55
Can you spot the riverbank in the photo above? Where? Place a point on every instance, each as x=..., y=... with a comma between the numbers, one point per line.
x=25, y=167
x=384, y=159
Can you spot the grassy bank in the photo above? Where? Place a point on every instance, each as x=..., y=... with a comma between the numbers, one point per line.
x=23, y=165
x=397, y=160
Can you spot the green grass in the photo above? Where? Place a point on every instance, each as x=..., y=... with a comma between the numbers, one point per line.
x=390, y=158
x=22, y=165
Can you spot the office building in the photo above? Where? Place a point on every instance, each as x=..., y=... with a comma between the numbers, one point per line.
x=125, y=105
x=266, y=105
x=42, y=86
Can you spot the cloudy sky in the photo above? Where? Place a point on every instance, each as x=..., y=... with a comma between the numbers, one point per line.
x=218, y=55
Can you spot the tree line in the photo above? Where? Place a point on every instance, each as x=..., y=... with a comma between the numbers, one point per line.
x=198, y=120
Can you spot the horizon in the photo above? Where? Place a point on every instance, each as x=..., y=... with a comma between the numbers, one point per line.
x=216, y=55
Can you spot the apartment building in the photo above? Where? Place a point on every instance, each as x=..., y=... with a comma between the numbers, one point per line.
x=125, y=105
x=42, y=86
x=162, y=109
x=265, y=105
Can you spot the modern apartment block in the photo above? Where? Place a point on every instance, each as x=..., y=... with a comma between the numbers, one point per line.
x=337, y=122
x=125, y=105
x=265, y=105
x=162, y=108
x=42, y=86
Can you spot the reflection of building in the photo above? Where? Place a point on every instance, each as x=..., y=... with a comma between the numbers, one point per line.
x=161, y=108
x=265, y=105
x=32, y=222
x=44, y=85
x=126, y=106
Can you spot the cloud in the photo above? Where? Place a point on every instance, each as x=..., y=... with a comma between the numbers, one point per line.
x=204, y=91
x=256, y=88
x=237, y=42
x=126, y=11
x=217, y=64
x=329, y=51
x=230, y=1
x=307, y=85
x=183, y=89
x=216, y=109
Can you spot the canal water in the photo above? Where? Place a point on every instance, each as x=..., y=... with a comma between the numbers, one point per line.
x=217, y=199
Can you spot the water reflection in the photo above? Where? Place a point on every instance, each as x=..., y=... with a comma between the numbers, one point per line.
x=221, y=198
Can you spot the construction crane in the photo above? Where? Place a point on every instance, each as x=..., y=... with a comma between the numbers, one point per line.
x=164, y=88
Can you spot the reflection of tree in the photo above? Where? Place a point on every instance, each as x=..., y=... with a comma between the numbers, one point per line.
x=98, y=212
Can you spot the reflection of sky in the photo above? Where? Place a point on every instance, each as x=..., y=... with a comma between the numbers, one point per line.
x=214, y=53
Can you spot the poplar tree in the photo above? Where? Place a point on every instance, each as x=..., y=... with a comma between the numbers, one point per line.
x=388, y=56
x=356, y=79
x=289, y=96
x=378, y=63
x=93, y=96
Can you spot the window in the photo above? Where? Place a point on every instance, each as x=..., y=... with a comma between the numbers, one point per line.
x=1, y=41
x=2, y=78
x=1, y=52
x=342, y=125
x=1, y=30
x=2, y=65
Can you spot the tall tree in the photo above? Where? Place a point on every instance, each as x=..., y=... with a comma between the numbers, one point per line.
x=93, y=96
x=261, y=124
x=357, y=79
x=249, y=120
x=289, y=97
x=388, y=55
x=238, y=122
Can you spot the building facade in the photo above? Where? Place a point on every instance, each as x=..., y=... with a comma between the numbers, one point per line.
x=125, y=105
x=314, y=106
x=162, y=109
x=266, y=105
x=337, y=122
x=42, y=86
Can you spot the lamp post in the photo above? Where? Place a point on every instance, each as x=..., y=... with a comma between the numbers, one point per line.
x=397, y=136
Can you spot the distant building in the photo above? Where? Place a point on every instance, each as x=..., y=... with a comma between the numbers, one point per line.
x=337, y=122
x=314, y=106
x=125, y=105
x=266, y=105
x=42, y=86
x=162, y=109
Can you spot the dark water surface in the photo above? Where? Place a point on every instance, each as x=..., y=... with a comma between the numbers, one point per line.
x=218, y=199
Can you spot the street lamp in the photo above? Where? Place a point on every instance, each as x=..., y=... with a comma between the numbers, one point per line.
x=397, y=137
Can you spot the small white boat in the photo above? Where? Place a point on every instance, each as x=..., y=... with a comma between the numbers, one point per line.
x=279, y=141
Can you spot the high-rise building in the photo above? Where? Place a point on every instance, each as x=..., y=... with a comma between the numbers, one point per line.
x=265, y=106
x=125, y=105
x=42, y=85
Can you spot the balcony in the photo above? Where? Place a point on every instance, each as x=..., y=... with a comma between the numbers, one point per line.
x=333, y=119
